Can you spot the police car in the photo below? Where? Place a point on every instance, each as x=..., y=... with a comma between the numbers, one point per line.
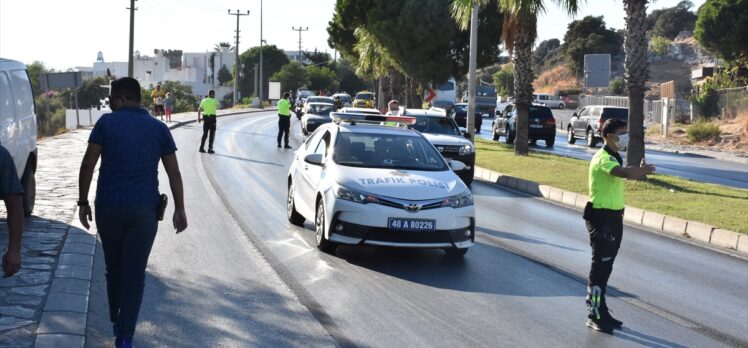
x=373, y=184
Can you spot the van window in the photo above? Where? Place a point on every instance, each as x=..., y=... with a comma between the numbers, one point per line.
x=543, y=97
x=6, y=108
x=24, y=98
x=449, y=86
x=621, y=114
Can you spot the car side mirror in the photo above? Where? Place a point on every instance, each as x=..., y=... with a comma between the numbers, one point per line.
x=466, y=134
x=457, y=165
x=314, y=158
x=575, y=115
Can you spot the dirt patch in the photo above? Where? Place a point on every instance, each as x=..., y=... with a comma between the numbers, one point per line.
x=733, y=136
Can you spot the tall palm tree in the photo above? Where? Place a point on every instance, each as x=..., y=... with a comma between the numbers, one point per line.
x=637, y=73
x=519, y=34
x=223, y=47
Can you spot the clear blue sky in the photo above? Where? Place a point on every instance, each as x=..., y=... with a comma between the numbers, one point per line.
x=65, y=34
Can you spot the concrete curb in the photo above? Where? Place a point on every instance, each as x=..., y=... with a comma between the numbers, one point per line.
x=667, y=224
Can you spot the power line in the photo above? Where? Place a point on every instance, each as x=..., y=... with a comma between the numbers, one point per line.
x=236, y=49
x=300, y=29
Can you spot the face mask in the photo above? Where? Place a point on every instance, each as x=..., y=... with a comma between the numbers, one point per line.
x=623, y=142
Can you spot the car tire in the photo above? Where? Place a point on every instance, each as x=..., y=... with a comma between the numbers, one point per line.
x=509, y=137
x=456, y=252
x=467, y=176
x=550, y=141
x=561, y=106
x=28, y=182
x=293, y=216
x=495, y=134
x=323, y=244
x=591, y=142
x=534, y=142
x=570, y=137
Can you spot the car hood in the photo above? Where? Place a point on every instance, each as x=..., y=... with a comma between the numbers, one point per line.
x=445, y=139
x=402, y=184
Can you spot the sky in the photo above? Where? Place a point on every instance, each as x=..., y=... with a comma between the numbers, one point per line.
x=65, y=34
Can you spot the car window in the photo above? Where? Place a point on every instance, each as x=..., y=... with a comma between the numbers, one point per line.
x=395, y=151
x=323, y=110
x=436, y=125
x=596, y=112
x=543, y=97
x=313, y=140
x=461, y=108
x=584, y=112
x=6, y=99
x=540, y=112
x=24, y=97
x=621, y=114
x=323, y=145
x=364, y=96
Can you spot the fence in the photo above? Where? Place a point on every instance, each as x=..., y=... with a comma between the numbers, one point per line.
x=732, y=100
x=679, y=109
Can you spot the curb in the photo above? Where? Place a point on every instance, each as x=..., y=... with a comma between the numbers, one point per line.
x=669, y=225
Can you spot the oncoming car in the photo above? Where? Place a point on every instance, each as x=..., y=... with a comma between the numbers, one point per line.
x=316, y=115
x=371, y=184
x=364, y=99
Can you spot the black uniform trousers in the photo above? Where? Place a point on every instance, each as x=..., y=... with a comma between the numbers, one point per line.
x=284, y=127
x=209, y=127
x=605, y=228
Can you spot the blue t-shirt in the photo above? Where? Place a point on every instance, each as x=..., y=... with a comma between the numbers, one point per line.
x=9, y=183
x=132, y=143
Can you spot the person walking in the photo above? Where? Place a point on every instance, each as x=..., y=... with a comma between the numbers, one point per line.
x=11, y=192
x=208, y=108
x=603, y=216
x=158, y=101
x=393, y=108
x=130, y=143
x=168, y=106
x=284, y=119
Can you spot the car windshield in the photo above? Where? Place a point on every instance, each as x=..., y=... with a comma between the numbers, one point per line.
x=390, y=151
x=461, y=108
x=621, y=114
x=319, y=109
x=364, y=96
x=344, y=98
x=436, y=125
x=540, y=112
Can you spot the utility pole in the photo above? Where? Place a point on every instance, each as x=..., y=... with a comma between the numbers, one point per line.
x=470, y=119
x=261, y=43
x=132, y=38
x=255, y=88
x=237, y=64
x=300, y=29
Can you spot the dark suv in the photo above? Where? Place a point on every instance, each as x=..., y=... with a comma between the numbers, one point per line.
x=459, y=114
x=542, y=125
x=588, y=121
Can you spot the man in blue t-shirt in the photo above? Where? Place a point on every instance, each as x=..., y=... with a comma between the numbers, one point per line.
x=130, y=143
x=11, y=191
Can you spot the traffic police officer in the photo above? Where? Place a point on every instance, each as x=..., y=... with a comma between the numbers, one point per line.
x=208, y=108
x=284, y=119
x=604, y=218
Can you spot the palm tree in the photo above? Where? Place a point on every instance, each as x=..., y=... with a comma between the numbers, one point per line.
x=637, y=72
x=519, y=34
x=223, y=47
x=374, y=62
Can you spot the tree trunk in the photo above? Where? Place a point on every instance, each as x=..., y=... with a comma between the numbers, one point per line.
x=524, y=39
x=637, y=73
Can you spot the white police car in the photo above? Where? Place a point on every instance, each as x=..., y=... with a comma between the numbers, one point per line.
x=363, y=183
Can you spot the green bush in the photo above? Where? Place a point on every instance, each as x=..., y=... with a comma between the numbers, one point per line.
x=659, y=45
x=707, y=103
x=617, y=86
x=703, y=130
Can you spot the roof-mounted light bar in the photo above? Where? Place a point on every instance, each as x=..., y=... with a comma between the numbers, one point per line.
x=354, y=118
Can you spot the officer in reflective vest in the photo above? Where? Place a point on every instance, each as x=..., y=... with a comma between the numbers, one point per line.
x=208, y=108
x=284, y=119
x=604, y=218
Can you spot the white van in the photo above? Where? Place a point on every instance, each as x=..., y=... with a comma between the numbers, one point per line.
x=18, y=125
x=548, y=100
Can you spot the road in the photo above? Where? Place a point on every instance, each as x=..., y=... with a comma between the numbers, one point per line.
x=242, y=273
x=689, y=166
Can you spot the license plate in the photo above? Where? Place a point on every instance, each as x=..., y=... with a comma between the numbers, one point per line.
x=536, y=126
x=419, y=225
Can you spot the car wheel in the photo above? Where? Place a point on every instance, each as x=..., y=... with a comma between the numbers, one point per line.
x=562, y=106
x=495, y=134
x=319, y=228
x=509, y=137
x=456, y=252
x=467, y=176
x=591, y=139
x=550, y=141
x=28, y=181
x=570, y=138
x=533, y=142
x=293, y=216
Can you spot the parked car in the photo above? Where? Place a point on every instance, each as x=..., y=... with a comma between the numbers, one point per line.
x=548, y=100
x=344, y=98
x=316, y=115
x=364, y=99
x=442, y=131
x=301, y=96
x=504, y=109
x=588, y=121
x=370, y=184
x=541, y=123
x=459, y=114
x=18, y=126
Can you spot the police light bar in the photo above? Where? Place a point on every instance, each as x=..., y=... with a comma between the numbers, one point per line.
x=353, y=118
x=401, y=120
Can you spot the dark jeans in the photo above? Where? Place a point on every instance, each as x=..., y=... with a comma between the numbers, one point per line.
x=284, y=126
x=209, y=126
x=605, y=228
x=127, y=234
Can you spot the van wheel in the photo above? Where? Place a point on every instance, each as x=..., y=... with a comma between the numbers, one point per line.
x=28, y=181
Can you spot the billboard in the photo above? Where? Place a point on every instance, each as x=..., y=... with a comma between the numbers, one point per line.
x=274, y=90
x=596, y=70
x=60, y=80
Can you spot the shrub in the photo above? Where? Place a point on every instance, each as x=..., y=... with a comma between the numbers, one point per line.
x=703, y=130
x=659, y=45
x=618, y=86
x=707, y=103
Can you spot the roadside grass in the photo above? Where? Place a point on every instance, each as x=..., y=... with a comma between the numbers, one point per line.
x=716, y=205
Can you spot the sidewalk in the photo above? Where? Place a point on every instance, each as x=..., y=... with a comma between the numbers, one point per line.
x=46, y=303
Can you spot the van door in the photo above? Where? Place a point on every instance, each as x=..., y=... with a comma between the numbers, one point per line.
x=7, y=116
x=24, y=124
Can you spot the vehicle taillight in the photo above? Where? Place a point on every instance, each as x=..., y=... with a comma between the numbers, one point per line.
x=600, y=123
x=550, y=121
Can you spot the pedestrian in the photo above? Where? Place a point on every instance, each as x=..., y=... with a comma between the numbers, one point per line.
x=12, y=193
x=338, y=103
x=208, y=108
x=158, y=101
x=168, y=106
x=284, y=119
x=130, y=143
x=393, y=108
x=603, y=216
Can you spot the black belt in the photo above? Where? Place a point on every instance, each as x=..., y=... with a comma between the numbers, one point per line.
x=209, y=115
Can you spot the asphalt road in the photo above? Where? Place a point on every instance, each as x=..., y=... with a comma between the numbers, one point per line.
x=689, y=166
x=241, y=275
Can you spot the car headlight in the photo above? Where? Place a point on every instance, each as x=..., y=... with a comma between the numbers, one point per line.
x=462, y=200
x=347, y=194
x=466, y=150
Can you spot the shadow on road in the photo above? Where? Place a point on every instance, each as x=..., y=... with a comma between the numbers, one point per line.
x=521, y=238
